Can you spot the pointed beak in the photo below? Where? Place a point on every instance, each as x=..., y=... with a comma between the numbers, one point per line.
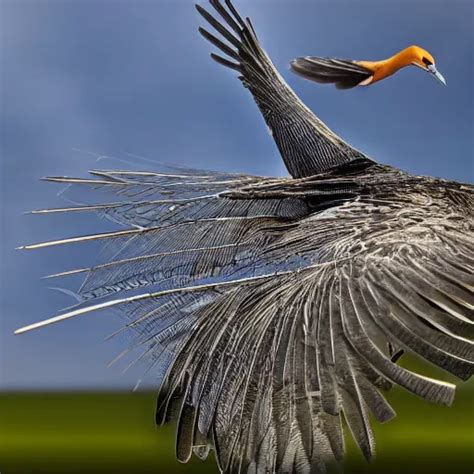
x=432, y=69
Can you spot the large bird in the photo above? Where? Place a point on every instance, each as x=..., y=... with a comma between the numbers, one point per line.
x=274, y=307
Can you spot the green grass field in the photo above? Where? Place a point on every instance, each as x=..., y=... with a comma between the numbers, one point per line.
x=115, y=432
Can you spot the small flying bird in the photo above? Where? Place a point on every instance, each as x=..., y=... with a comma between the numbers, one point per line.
x=274, y=308
x=346, y=74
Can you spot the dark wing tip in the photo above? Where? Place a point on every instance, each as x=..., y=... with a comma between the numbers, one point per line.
x=345, y=74
x=230, y=29
x=300, y=67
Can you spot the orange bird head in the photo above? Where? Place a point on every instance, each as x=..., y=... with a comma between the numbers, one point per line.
x=423, y=59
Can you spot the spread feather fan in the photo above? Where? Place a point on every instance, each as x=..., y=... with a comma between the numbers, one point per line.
x=276, y=306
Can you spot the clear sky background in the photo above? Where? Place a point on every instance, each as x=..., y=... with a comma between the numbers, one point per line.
x=118, y=77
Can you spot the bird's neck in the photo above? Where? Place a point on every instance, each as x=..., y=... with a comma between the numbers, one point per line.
x=402, y=59
x=387, y=67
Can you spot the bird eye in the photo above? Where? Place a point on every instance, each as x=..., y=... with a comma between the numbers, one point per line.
x=426, y=61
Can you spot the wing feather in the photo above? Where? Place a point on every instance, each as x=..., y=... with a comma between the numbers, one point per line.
x=262, y=366
x=306, y=145
x=344, y=73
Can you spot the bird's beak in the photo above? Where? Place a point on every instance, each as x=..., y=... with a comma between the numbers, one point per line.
x=432, y=69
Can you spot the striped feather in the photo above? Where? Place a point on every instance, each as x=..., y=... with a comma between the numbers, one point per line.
x=345, y=74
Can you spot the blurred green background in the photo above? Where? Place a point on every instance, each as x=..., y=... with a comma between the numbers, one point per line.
x=48, y=432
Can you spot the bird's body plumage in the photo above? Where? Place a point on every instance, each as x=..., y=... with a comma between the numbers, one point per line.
x=273, y=307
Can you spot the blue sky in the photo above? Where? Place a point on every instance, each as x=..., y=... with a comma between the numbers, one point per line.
x=117, y=77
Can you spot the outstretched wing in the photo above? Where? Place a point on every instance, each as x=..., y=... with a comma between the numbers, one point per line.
x=306, y=144
x=345, y=74
x=270, y=307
